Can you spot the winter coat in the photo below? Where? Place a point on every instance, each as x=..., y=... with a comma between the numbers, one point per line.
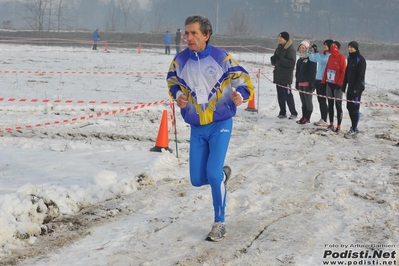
x=214, y=70
x=321, y=60
x=167, y=39
x=355, y=74
x=305, y=71
x=178, y=36
x=335, y=68
x=96, y=37
x=284, y=60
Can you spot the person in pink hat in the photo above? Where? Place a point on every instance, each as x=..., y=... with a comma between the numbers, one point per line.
x=305, y=75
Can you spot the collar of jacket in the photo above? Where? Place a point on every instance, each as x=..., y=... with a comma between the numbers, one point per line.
x=354, y=55
x=201, y=54
x=287, y=44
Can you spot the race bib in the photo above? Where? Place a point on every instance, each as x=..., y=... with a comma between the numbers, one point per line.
x=331, y=75
x=202, y=95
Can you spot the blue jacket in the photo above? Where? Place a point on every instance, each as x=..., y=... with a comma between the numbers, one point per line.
x=216, y=71
x=167, y=39
x=96, y=37
x=321, y=60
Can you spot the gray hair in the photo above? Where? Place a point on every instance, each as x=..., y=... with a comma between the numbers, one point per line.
x=205, y=24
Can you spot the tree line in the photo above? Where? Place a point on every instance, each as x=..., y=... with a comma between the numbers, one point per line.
x=364, y=20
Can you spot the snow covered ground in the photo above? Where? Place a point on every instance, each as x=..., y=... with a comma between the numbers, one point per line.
x=80, y=186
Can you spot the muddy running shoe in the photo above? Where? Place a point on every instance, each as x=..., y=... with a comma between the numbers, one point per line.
x=217, y=233
x=282, y=116
x=303, y=121
x=227, y=172
x=293, y=117
x=300, y=120
x=321, y=123
x=330, y=127
x=351, y=134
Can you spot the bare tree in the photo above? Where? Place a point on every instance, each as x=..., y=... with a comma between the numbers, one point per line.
x=126, y=7
x=59, y=14
x=7, y=24
x=158, y=8
x=139, y=17
x=112, y=17
x=238, y=24
x=50, y=3
x=34, y=13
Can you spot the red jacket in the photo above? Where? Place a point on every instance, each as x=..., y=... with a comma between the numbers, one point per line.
x=335, y=68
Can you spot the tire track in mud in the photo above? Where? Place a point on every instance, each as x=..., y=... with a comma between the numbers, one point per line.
x=64, y=230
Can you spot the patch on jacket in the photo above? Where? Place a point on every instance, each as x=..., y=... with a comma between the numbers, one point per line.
x=210, y=71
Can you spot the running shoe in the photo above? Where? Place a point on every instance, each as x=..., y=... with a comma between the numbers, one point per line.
x=351, y=134
x=217, y=233
x=321, y=123
x=227, y=172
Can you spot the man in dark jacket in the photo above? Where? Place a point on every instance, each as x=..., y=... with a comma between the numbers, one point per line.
x=177, y=40
x=284, y=60
x=354, y=79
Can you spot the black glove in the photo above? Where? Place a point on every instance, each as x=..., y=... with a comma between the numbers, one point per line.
x=314, y=47
x=272, y=58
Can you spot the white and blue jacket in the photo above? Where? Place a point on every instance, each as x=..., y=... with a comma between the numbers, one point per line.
x=215, y=70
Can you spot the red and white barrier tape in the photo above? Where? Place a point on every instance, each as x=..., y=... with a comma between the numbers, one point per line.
x=83, y=72
x=24, y=100
x=83, y=118
x=340, y=99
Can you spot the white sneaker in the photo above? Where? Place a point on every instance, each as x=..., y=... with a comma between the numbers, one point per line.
x=321, y=123
x=217, y=233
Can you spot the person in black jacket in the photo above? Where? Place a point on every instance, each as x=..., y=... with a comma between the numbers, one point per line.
x=177, y=40
x=354, y=80
x=284, y=60
x=305, y=75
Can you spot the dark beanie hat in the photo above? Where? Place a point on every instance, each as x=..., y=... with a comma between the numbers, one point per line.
x=354, y=45
x=337, y=44
x=284, y=35
x=328, y=42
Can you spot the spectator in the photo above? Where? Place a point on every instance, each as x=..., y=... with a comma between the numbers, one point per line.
x=167, y=40
x=284, y=60
x=354, y=79
x=334, y=75
x=305, y=75
x=177, y=41
x=208, y=85
x=96, y=38
x=321, y=60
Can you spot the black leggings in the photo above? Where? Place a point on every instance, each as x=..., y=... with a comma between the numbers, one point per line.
x=335, y=92
x=322, y=91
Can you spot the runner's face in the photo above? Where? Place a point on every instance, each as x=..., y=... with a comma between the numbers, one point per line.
x=196, y=40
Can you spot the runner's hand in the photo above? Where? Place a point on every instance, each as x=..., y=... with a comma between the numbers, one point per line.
x=182, y=101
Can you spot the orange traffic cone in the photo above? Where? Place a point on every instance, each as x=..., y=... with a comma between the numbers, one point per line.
x=163, y=136
x=106, y=47
x=251, y=105
x=139, y=50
